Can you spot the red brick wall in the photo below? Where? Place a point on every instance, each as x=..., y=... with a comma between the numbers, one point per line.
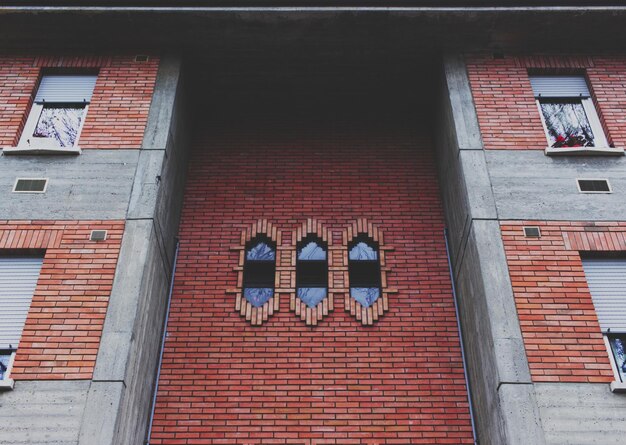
x=399, y=381
x=119, y=108
x=506, y=108
x=559, y=324
x=62, y=331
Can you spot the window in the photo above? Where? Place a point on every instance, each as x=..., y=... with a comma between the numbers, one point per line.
x=18, y=278
x=58, y=111
x=259, y=270
x=312, y=270
x=364, y=270
x=569, y=117
x=606, y=278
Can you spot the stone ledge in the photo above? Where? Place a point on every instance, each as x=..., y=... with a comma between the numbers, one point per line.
x=41, y=150
x=584, y=151
x=618, y=387
x=7, y=384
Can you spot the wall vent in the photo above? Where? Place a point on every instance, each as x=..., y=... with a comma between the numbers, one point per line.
x=30, y=185
x=532, y=232
x=594, y=186
x=141, y=58
x=98, y=235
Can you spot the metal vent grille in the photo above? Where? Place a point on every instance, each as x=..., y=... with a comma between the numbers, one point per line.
x=594, y=186
x=30, y=185
x=532, y=232
x=98, y=235
x=141, y=58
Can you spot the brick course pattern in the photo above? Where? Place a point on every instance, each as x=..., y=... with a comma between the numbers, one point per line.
x=505, y=104
x=225, y=381
x=118, y=111
x=560, y=328
x=62, y=331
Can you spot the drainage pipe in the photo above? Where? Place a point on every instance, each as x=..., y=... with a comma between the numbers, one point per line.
x=167, y=317
x=458, y=324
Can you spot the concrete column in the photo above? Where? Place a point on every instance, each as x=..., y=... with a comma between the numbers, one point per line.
x=119, y=398
x=504, y=400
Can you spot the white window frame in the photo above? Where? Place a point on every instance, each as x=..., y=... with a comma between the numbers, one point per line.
x=27, y=140
x=7, y=382
x=600, y=140
x=617, y=385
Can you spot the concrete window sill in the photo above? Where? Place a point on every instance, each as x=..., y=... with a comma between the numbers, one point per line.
x=41, y=150
x=618, y=387
x=7, y=384
x=584, y=151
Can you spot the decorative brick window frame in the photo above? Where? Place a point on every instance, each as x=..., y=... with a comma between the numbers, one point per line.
x=338, y=276
x=311, y=316
x=366, y=315
x=258, y=315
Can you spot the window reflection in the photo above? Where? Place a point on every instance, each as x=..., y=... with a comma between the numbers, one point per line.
x=59, y=123
x=618, y=343
x=363, y=251
x=567, y=124
x=311, y=251
x=365, y=295
x=311, y=295
x=261, y=252
x=258, y=296
x=5, y=359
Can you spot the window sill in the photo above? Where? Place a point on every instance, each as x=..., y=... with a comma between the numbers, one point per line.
x=41, y=150
x=584, y=151
x=618, y=387
x=7, y=384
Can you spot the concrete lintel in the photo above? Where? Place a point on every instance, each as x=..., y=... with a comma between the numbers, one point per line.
x=101, y=412
x=520, y=408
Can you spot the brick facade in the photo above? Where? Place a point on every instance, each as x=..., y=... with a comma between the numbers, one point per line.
x=505, y=104
x=397, y=381
x=62, y=331
x=558, y=321
x=118, y=111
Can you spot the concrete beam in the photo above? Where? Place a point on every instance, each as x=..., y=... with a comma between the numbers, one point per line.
x=119, y=399
x=503, y=396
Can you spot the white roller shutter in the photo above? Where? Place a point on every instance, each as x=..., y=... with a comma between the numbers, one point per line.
x=559, y=86
x=607, y=283
x=59, y=89
x=18, y=278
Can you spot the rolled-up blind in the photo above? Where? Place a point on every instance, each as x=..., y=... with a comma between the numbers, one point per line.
x=607, y=283
x=559, y=86
x=18, y=278
x=65, y=88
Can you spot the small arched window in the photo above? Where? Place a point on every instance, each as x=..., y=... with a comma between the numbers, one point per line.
x=259, y=270
x=364, y=270
x=312, y=270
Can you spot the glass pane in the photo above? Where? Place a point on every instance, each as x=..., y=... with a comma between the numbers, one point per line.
x=567, y=124
x=261, y=252
x=363, y=251
x=4, y=365
x=365, y=295
x=312, y=251
x=60, y=124
x=311, y=295
x=258, y=296
x=617, y=345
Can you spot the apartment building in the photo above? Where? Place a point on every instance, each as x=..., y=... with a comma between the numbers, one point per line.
x=312, y=224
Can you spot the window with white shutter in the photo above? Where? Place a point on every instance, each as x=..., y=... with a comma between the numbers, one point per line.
x=58, y=112
x=18, y=279
x=606, y=278
x=567, y=111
